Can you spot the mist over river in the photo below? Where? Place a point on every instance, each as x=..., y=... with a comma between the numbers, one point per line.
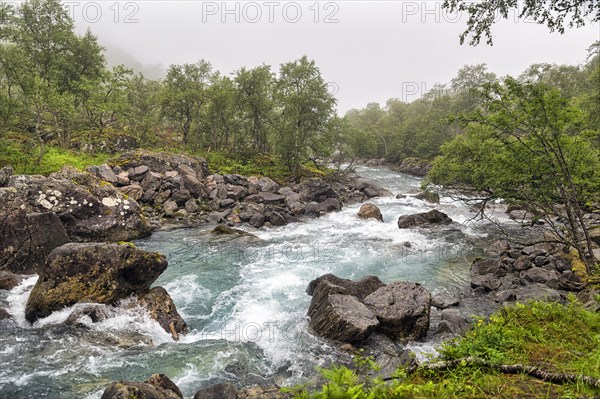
x=244, y=300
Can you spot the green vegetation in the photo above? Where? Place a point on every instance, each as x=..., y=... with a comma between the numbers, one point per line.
x=556, y=338
x=556, y=15
x=527, y=144
x=53, y=159
x=55, y=90
x=400, y=129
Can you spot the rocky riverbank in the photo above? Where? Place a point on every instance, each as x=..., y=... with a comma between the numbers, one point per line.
x=72, y=229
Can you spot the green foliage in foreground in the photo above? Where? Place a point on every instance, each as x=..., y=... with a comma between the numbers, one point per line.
x=558, y=338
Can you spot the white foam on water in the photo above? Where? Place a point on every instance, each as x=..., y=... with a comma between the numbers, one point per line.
x=189, y=378
x=186, y=291
x=17, y=300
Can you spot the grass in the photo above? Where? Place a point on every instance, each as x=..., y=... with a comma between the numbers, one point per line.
x=555, y=337
x=26, y=160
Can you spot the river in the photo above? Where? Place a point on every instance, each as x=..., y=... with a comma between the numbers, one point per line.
x=244, y=300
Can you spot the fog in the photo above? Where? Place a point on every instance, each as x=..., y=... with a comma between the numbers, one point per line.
x=369, y=51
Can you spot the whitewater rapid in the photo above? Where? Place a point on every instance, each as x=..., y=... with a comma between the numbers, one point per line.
x=244, y=300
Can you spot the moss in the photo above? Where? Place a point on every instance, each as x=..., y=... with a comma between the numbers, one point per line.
x=577, y=264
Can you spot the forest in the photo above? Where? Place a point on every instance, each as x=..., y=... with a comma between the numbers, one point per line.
x=58, y=98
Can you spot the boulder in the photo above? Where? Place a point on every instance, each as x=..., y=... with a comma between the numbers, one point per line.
x=137, y=173
x=428, y=196
x=315, y=189
x=370, y=211
x=311, y=209
x=360, y=289
x=92, y=272
x=297, y=208
x=594, y=234
x=236, y=192
x=181, y=196
x=271, y=198
x=158, y=386
x=387, y=353
x=422, y=219
x=104, y=172
x=341, y=317
x=276, y=219
x=162, y=197
x=27, y=239
x=191, y=206
x=218, y=391
x=414, y=166
x=235, y=180
x=456, y=321
x=133, y=191
x=330, y=205
x=152, y=181
x=257, y=220
x=9, y=280
x=402, y=309
x=489, y=282
x=540, y=275
x=193, y=185
x=487, y=266
x=226, y=203
x=443, y=299
x=5, y=174
x=162, y=309
x=370, y=192
x=170, y=207
x=267, y=185
x=89, y=209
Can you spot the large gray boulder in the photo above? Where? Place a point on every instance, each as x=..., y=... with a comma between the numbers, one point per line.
x=402, y=309
x=336, y=315
x=92, y=272
x=432, y=217
x=27, y=239
x=360, y=289
x=341, y=318
x=89, y=209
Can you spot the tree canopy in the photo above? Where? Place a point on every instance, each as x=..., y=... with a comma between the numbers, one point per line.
x=557, y=15
x=526, y=144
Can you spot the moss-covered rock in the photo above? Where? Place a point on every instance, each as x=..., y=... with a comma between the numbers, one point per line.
x=92, y=272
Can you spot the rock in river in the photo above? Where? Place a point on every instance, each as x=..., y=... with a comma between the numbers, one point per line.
x=370, y=211
x=421, y=219
x=92, y=272
x=402, y=309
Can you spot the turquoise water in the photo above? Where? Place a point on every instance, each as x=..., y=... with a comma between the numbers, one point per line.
x=244, y=300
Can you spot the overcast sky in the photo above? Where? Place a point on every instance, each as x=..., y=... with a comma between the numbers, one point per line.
x=369, y=50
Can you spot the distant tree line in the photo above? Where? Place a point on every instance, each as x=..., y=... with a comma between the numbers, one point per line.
x=399, y=129
x=55, y=88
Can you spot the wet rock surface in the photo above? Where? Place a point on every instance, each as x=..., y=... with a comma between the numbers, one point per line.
x=158, y=386
x=92, y=272
x=350, y=311
x=433, y=217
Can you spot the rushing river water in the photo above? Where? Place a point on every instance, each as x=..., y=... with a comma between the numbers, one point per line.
x=244, y=300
